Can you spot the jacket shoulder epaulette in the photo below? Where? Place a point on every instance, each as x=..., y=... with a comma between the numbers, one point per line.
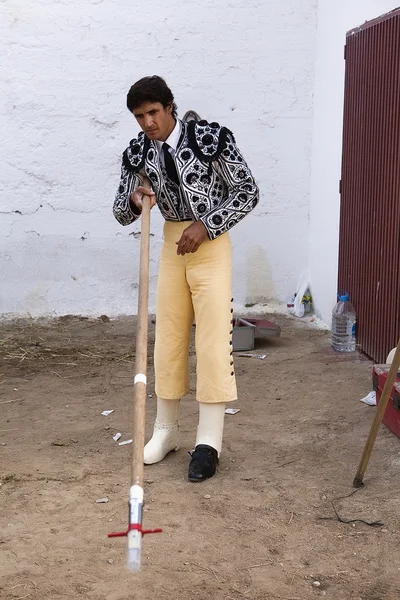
x=208, y=140
x=134, y=156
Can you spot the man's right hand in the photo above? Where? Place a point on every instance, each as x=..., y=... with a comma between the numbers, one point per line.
x=136, y=198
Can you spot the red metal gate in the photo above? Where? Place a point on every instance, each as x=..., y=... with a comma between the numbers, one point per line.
x=369, y=246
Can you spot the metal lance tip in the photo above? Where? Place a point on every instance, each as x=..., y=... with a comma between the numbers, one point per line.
x=135, y=535
x=135, y=532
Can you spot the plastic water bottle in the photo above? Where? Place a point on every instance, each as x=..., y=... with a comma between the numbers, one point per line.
x=344, y=325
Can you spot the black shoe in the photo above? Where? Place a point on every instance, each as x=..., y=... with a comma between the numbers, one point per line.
x=203, y=464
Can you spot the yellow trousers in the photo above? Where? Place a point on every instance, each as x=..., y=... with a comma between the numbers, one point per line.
x=195, y=287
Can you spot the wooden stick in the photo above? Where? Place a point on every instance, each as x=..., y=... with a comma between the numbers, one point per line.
x=140, y=387
x=135, y=531
x=358, y=479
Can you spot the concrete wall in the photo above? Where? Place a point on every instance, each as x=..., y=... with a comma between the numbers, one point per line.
x=334, y=20
x=65, y=74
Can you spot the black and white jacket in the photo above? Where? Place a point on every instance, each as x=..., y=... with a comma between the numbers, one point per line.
x=217, y=184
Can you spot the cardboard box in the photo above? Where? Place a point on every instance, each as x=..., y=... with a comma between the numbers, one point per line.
x=243, y=335
x=246, y=331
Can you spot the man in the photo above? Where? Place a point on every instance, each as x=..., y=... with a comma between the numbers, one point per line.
x=203, y=187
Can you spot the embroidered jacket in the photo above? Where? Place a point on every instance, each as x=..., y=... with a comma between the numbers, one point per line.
x=216, y=182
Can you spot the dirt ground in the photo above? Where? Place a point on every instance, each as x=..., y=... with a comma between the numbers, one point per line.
x=264, y=528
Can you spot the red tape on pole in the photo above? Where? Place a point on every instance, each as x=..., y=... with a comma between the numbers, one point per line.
x=134, y=527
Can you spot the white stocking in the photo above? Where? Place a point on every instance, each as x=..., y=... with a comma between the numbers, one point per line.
x=211, y=425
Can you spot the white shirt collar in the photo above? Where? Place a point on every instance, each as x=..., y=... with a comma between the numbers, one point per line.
x=173, y=139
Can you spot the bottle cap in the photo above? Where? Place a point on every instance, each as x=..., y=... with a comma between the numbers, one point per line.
x=344, y=298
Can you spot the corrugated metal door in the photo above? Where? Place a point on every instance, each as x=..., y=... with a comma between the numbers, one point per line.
x=369, y=246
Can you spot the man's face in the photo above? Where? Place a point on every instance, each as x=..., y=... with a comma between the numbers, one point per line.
x=156, y=121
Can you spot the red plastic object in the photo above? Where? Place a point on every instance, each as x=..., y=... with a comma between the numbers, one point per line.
x=392, y=414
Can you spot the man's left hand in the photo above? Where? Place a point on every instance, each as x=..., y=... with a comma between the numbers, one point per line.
x=192, y=238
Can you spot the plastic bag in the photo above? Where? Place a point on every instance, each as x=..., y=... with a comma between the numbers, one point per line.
x=301, y=302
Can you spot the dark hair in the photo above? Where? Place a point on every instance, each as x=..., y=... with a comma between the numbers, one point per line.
x=151, y=89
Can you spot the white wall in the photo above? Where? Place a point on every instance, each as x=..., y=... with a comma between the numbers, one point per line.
x=334, y=20
x=66, y=69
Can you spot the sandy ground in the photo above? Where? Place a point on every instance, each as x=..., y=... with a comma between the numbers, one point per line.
x=263, y=528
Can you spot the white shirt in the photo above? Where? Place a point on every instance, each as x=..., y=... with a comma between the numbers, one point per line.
x=172, y=141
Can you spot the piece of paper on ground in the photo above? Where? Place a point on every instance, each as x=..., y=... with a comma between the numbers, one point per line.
x=370, y=399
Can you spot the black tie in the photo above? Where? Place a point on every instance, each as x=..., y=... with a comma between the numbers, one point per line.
x=170, y=164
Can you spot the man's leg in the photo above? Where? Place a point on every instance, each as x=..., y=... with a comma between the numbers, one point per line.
x=209, y=275
x=208, y=441
x=174, y=319
x=165, y=436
